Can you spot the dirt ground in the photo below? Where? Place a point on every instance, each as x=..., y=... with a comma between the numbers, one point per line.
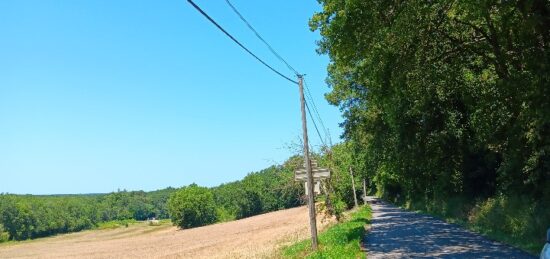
x=255, y=237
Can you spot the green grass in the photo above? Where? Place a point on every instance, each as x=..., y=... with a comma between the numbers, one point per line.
x=339, y=241
x=115, y=224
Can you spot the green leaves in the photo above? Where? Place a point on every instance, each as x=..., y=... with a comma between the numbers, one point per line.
x=268, y=190
x=4, y=236
x=192, y=206
x=29, y=216
x=443, y=97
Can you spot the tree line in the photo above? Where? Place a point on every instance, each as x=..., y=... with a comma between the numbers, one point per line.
x=273, y=188
x=33, y=216
x=268, y=190
x=447, y=104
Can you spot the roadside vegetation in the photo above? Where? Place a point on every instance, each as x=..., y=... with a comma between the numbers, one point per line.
x=511, y=220
x=446, y=106
x=342, y=240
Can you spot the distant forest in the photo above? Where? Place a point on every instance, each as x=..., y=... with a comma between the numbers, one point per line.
x=274, y=188
x=32, y=216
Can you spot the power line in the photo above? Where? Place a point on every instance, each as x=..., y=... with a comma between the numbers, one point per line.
x=238, y=43
x=315, y=124
x=325, y=130
x=261, y=38
x=264, y=63
x=308, y=93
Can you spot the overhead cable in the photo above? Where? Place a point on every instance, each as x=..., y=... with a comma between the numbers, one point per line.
x=308, y=93
x=261, y=38
x=315, y=124
x=264, y=63
x=238, y=43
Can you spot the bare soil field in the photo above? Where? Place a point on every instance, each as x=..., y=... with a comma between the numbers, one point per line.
x=255, y=237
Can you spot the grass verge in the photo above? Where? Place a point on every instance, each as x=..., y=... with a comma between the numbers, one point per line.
x=339, y=241
x=116, y=224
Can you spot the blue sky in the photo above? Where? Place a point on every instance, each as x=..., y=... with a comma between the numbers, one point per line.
x=102, y=95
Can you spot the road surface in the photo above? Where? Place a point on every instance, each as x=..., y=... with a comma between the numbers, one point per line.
x=396, y=233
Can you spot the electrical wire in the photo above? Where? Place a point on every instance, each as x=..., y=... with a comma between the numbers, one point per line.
x=267, y=65
x=308, y=94
x=261, y=38
x=315, y=124
x=238, y=43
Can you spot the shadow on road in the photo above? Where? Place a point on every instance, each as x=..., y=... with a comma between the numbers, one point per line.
x=396, y=233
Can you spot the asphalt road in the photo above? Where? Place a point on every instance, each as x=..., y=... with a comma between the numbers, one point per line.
x=396, y=233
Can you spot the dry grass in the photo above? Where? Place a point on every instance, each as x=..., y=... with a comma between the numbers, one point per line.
x=255, y=237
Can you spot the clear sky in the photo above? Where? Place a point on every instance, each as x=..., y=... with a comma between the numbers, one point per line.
x=100, y=95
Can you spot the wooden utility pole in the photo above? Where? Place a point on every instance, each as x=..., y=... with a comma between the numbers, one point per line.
x=353, y=187
x=307, y=161
x=364, y=191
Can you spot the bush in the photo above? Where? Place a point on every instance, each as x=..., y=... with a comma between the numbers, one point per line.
x=4, y=236
x=115, y=224
x=224, y=215
x=515, y=219
x=192, y=206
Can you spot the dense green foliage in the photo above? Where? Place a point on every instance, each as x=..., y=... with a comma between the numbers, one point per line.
x=192, y=206
x=116, y=224
x=340, y=159
x=28, y=216
x=339, y=241
x=4, y=236
x=445, y=101
x=268, y=190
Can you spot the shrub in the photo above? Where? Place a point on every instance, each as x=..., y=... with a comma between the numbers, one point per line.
x=518, y=218
x=192, y=206
x=224, y=215
x=115, y=224
x=4, y=236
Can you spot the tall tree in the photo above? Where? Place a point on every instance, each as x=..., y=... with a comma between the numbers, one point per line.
x=443, y=97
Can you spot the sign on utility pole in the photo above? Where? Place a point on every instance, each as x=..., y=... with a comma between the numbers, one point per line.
x=318, y=175
x=309, y=173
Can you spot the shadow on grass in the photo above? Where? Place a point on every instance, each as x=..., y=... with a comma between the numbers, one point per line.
x=339, y=241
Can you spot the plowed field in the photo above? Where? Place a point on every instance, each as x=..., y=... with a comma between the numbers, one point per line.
x=255, y=237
